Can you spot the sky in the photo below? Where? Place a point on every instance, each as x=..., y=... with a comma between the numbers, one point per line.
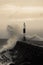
x=16, y=12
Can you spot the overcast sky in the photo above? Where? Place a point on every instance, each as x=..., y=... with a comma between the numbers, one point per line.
x=18, y=11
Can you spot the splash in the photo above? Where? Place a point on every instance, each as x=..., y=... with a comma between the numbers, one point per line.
x=36, y=38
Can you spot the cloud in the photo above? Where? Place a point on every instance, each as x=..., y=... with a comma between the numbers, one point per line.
x=23, y=9
x=23, y=2
x=9, y=10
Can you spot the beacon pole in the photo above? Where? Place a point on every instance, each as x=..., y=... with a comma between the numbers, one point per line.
x=24, y=31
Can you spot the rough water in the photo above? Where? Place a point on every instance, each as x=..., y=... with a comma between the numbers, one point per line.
x=6, y=45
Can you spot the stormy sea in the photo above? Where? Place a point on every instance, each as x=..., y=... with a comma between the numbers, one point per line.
x=8, y=44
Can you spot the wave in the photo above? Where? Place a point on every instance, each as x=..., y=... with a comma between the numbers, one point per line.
x=36, y=38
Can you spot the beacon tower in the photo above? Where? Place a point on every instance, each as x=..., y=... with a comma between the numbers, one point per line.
x=24, y=31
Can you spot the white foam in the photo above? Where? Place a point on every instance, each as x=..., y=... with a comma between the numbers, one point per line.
x=36, y=38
